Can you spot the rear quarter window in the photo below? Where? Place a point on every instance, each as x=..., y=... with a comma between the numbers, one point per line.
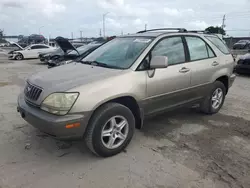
x=218, y=43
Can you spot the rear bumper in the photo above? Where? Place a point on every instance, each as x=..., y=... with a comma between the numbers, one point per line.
x=52, y=124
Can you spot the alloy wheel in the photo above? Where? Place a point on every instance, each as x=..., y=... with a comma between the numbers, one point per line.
x=217, y=98
x=114, y=132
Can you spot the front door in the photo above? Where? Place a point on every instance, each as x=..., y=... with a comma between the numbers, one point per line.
x=168, y=87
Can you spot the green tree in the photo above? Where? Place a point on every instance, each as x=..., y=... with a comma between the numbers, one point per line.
x=216, y=30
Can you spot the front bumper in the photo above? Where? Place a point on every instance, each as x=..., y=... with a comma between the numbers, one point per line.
x=52, y=124
x=231, y=79
x=12, y=56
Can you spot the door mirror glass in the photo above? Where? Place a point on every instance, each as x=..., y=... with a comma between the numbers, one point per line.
x=158, y=62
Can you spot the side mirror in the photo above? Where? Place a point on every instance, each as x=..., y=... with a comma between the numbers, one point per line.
x=159, y=62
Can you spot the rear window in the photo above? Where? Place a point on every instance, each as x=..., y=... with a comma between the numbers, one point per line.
x=218, y=43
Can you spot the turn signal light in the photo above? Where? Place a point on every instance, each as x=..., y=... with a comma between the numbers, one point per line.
x=74, y=125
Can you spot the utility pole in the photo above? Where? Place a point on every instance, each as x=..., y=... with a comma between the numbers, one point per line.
x=100, y=32
x=145, y=27
x=122, y=32
x=72, y=35
x=103, y=21
x=81, y=35
x=40, y=29
x=49, y=40
x=223, y=22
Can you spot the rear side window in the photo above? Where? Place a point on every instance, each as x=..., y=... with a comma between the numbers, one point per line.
x=198, y=49
x=210, y=52
x=219, y=44
x=39, y=47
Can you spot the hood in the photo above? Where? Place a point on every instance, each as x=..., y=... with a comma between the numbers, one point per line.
x=239, y=44
x=66, y=77
x=246, y=56
x=17, y=45
x=64, y=44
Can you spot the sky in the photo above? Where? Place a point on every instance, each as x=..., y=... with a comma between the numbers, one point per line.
x=64, y=17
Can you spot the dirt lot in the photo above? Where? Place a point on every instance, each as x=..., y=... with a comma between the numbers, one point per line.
x=181, y=149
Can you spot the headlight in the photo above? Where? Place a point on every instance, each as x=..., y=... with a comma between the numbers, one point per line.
x=59, y=103
x=69, y=61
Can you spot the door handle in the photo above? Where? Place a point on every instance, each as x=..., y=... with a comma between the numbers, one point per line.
x=184, y=70
x=215, y=63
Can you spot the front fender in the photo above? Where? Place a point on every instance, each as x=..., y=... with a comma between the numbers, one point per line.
x=103, y=101
x=132, y=84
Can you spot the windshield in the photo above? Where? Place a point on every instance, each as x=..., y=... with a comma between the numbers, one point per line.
x=119, y=52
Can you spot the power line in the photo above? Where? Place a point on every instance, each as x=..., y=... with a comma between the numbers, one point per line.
x=238, y=30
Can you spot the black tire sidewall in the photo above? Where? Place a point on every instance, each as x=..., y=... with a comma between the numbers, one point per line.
x=217, y=85
x=98, y=124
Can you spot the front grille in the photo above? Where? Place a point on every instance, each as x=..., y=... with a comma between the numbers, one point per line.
x=246, y=62
x=32, y=92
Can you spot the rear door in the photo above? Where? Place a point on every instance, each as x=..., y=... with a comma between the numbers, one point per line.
x=203, y=63
x=42, y=48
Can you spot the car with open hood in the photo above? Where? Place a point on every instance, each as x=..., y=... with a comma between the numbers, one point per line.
x=108, y=94
x=13, y=46
x=74, y=55
x=60, y=52
x=243, y=64
x=31, y=51
x=46, y=56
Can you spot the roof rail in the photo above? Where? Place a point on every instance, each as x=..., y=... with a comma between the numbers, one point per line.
x=199, y=31
x=164, y=29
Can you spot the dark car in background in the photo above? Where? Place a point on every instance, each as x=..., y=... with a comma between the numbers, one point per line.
x=45, y=57
x=70, y=52
x=243, y=64
x=59, y=52
x=242, y=44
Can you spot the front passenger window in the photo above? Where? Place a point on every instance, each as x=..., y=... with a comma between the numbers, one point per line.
x=172, y=48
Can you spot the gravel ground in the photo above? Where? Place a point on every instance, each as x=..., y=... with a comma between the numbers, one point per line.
x=183, y=149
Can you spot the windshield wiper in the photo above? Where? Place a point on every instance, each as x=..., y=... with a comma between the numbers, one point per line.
x=96, y=63
x=83, y=62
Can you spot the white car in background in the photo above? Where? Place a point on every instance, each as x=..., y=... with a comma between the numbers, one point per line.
x=31, y=51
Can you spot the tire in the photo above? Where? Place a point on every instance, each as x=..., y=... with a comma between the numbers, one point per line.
x=207, y=105
x=93, y=135
x=19, y=56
